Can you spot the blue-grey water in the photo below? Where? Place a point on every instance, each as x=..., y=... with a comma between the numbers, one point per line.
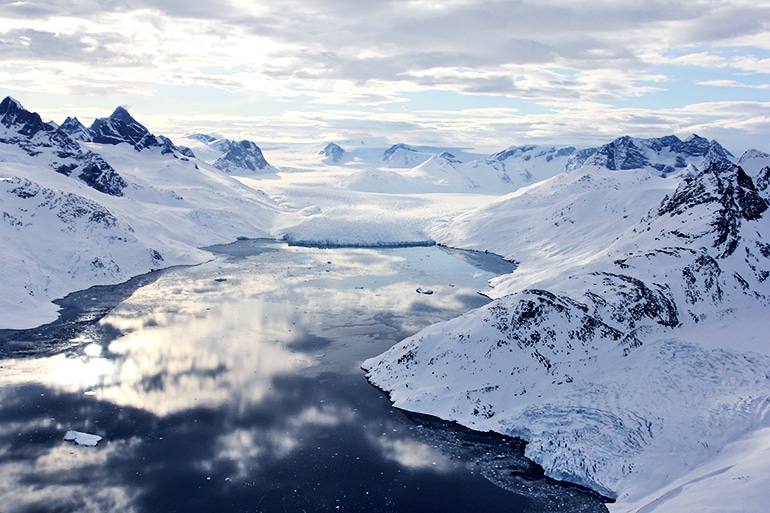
x=236, y=386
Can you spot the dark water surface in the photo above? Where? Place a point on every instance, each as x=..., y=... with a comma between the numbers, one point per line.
x=235, y=386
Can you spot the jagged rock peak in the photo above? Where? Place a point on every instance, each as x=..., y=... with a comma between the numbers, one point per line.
x=8, y=103
x=10, y=108
x=333, y=152
x=121, y=114
x=666, y=154
x=241, y=155
x=121, y=127
x=75, y=129
x=726, y=185
x=13, y=114
x=27, y=131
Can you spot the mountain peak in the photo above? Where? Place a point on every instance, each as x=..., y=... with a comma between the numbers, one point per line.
x=665, y=154
x=12, y=113
x=726, y=185
x=10, y=104
x=445, y=155
x=333, y=153
x=76, y=129
x=393, y=149
x=240, y=156
x=122, y=127
x=121, y=113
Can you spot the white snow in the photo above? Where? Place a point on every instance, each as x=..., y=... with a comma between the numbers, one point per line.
x=81, y=438
x=664, y=412
x=599, y=410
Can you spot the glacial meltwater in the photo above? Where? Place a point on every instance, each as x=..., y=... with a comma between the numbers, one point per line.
x=235, y=386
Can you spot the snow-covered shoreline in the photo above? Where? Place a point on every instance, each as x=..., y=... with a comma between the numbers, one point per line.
x=631, y=358
x=628, y=348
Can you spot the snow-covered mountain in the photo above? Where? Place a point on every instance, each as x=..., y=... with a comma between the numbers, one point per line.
x=629, y=346
x=531, y=163
x=405, y=168
x=233, y=157
x=78, y=213
x=52, y=146
x=403, y=156
x=77, y=130
x=667, y=154
x=333, y=154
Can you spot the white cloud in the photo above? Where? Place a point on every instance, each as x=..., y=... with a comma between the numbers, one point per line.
x=321, y=55
x=733, y=83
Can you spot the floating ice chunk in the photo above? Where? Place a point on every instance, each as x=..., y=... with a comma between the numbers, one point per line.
x=80, y=438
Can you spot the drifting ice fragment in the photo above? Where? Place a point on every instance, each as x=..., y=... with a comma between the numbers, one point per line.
x=79, y=438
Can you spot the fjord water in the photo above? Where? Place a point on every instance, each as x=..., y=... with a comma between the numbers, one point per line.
x=235, y=386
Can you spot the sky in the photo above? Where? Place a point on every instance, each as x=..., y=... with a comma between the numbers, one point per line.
x=476, y=74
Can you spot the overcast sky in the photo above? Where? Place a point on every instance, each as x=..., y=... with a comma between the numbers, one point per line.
x=483, y=74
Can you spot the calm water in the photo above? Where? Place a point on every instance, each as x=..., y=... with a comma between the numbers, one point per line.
x=235, y=386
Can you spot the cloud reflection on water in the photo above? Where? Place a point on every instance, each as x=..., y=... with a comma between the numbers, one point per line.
x=229, y=380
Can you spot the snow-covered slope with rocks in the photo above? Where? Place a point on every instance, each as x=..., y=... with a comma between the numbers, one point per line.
x=667, y=154
x=629, y=347
x=333, y=154
x=51, y=146
x=76, y=213
x=232, y=157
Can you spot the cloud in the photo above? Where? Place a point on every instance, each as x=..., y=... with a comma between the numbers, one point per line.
x=343, y=61
x=29, y=44
x=733, y=83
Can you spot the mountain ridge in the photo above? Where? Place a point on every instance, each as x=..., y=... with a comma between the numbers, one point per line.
x=549, y=359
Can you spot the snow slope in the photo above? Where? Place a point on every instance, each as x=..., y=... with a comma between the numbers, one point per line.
x=628, y=347
x=77, y=214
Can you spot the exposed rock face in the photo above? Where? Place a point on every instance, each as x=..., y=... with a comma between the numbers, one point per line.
x=75, y=129
x=595, y=372
x=27, y=131
x=666, y=154
x=333, y=153
x=120, y=127
x=240, y=156
x=731, y=191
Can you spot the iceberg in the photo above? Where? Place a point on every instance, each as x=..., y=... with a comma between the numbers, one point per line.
x=81, y=438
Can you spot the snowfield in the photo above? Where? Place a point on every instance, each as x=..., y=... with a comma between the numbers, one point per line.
x=629, y=347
